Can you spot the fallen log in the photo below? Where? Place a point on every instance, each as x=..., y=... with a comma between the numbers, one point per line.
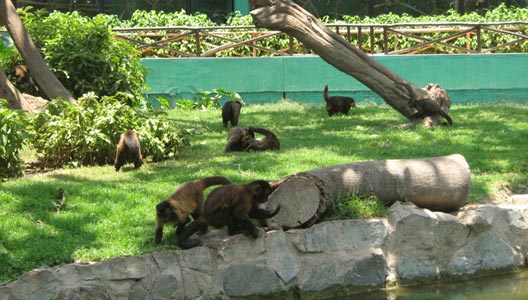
x=436, y=183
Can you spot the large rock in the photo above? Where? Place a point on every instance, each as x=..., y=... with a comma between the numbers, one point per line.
x=411, y=244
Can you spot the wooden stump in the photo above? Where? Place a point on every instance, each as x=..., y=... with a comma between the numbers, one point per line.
x=437, y=183
x=438, y=94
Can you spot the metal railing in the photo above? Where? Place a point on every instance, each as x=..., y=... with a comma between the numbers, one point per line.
x=389, y=39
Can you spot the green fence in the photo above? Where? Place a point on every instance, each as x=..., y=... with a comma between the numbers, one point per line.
x=467, y=78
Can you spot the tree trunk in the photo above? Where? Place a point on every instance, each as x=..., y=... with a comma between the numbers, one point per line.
x=286, y=16
x=14, y=98
x=40, y=71
x=437, y=183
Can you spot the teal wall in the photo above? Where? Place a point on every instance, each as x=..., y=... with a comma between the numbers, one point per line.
x=242, y=6
x=467, y=78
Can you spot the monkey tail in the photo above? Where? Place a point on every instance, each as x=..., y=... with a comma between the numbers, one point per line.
x=261, y=131
x=325, y=93
x=447, y=117
x=210, y=181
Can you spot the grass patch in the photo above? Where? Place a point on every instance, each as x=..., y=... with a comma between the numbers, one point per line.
x=108, y=214
x=355, y=207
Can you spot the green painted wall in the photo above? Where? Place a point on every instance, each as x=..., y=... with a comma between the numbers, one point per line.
x=467, y=78
x=242, y=6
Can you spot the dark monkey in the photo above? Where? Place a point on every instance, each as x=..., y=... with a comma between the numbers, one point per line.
x=238, y=139
x=337, y=104
x=270, y=141
x=231, y=205
x=128, y=150
x=186, y=200
x=425, y=106
x=231, y=112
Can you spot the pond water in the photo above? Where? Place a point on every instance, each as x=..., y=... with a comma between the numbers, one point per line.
x=510, y=287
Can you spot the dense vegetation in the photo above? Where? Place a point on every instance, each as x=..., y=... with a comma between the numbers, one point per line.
x=109, y=214
x=488, y=39
x=83, y=53
x=13, y=134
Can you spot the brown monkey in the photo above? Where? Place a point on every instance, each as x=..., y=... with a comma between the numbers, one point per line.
x=231, y=112
x=238, y=139
x=425, y=106
x=231, y=205
x=337, y=104
x=21, y=72
x=186, y=200
x=128, y=150
x=270, y=141
x=24, y=79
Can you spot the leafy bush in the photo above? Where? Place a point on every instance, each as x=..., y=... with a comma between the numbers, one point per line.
x=84, y=55
x=13, y=133
x=87, y=134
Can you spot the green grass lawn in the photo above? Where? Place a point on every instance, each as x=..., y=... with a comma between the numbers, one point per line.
x=109, y=214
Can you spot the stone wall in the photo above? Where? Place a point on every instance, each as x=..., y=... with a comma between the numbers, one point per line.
x=336, y=257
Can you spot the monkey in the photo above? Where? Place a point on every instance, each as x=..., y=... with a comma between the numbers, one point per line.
x=238, y=139
x=231, y=205
x=425, y=106
x=186, y=200
x=231, y=112
x=128, y=150
x=24, y=79
x=270, y=141
x=337, y=104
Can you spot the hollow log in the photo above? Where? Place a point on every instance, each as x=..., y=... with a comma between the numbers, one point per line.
x=436, y=183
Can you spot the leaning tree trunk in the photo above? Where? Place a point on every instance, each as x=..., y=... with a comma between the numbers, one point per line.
x=32, y=58
x=13, y=96
x=288, y=17
x=437, y=183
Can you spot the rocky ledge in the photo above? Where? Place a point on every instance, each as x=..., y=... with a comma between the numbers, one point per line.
x=410, y=245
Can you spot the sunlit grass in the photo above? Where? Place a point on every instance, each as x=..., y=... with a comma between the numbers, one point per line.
x=109, y=214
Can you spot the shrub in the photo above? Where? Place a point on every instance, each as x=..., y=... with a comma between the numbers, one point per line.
x=87, y=134
x=13, y=133
x=84, y=55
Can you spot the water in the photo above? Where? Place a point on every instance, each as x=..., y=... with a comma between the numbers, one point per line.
x=511, y=287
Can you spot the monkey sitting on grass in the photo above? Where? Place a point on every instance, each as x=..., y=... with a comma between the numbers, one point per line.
x=269, y=142
x=186, y=200
x=128, y=150
x=238, y=139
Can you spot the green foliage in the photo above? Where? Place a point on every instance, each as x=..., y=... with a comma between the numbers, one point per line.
x=84, y=55
x=87, y=134
x=13, y=132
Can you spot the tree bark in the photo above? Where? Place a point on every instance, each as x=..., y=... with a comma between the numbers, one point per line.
x=437, y=183
x=40, y=71
x=14, y=98
x=288, y=17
